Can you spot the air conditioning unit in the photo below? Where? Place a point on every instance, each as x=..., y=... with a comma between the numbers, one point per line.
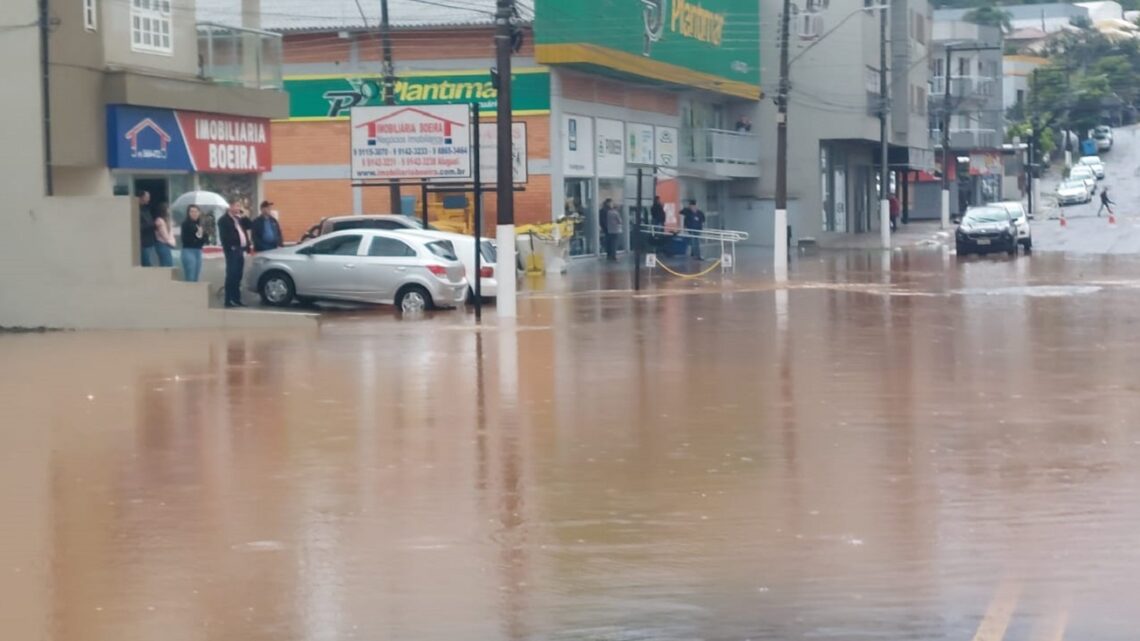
x=809, y=26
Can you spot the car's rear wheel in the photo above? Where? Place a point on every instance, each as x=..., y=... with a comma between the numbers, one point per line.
x=1027, y=244
x=276, y=289
x=413, y=299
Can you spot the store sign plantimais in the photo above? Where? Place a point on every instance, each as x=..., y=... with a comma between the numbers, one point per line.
x=325, y=97
x=711, y=44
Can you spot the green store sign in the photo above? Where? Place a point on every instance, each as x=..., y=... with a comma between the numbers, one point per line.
x=331, y=97
x=710, y=44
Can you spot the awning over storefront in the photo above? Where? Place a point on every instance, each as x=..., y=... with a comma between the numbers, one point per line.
x=152, y=139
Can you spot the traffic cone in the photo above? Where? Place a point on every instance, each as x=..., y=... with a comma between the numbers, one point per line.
x=1111, y=218
x=1064, y=223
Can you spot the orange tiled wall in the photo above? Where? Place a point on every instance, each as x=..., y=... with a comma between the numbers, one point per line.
x=303, y=203
x=406, y=45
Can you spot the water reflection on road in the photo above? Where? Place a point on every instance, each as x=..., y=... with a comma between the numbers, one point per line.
x=932, y=450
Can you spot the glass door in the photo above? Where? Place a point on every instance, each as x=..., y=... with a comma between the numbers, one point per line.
x=579, y=199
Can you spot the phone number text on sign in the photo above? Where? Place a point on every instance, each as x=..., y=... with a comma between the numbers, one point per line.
x=411, y=142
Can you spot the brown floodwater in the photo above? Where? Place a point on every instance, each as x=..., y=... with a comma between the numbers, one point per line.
x=916, y=448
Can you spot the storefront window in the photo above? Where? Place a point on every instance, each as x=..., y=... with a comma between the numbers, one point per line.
x=579, y=204
x=239, y=187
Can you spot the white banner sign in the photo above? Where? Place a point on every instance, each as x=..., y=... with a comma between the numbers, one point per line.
x=666, y=146
x=639, y=150
x=610, y=154
x=489, y=150
x=429, y=141
x=577, y=146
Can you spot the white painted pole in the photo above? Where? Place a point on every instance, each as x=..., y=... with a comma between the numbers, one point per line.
x=885, y=223
x=945, y=209
x=781, y=245
x=505, y=304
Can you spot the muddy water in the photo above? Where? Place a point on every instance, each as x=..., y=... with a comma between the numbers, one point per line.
x=917, y=450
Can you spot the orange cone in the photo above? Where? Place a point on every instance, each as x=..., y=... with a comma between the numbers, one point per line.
x=1064, y=223
x=1111, y=218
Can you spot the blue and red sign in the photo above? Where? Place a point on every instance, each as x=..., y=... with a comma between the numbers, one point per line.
x=169, y=140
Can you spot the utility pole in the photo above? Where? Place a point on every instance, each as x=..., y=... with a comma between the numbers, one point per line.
x=505, y=302
x=1031, y=157
x=45, y=90
x=884, y=109
x=389, y=93
x=946, y=140
x=780, y=237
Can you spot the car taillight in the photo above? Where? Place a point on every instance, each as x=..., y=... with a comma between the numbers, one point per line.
x=438, y=270
x=486, y=272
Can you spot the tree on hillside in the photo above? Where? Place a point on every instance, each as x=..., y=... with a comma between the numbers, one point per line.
x=990, y=16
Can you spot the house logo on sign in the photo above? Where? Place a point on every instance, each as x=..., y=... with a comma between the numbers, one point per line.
x=384, y=127
x=148, y=140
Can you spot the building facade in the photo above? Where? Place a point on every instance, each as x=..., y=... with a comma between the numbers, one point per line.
x=593, y=108
x=121, y=92
x=150, y=95
x=976, y=113
x=833, y=117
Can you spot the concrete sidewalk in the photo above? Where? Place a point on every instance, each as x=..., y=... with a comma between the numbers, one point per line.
x=914, y=234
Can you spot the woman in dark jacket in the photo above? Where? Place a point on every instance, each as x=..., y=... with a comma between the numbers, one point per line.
x=193, y=238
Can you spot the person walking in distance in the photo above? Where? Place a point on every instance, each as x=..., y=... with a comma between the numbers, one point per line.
x=235, y=244
x=1105, y=203
x=694, y=220
x=193, y=238
x=657, y=212
x=147, y=239
x=613, y=228
x=266, y=230
x=163, y=236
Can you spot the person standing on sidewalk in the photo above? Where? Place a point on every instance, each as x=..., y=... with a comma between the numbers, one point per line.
x=694, y=222
x=147, y=257
x=1105, y=203
x=266, y=230
x=235, y=244
x=613, y=228
x=193, y=239
x=163, y=236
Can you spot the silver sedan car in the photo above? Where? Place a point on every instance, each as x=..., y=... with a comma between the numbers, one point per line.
x=364, y=266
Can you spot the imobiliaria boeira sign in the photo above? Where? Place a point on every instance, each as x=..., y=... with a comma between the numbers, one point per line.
x=432, y=141
x=170, y=140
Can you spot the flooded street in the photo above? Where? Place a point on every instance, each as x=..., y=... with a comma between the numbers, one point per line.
x=926, y=449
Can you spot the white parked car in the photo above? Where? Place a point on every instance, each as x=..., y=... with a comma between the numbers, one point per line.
x=1081, y=172
x=1073, y=192
x=1094, y=163
x=1103, y=137
x=465, y=249
x=365, y=266
x=1020, y=221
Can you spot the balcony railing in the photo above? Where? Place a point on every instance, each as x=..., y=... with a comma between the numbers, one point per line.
x=238, y=56
x=975, y=138
x=731, y=154
x=962, y=86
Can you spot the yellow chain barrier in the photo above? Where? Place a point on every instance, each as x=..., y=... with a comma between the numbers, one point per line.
x=697, y=275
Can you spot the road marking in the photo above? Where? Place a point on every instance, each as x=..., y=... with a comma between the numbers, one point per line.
x=1053, y=629
x=999, y=614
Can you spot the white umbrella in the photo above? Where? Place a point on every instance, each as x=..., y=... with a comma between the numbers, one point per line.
x=199, y=198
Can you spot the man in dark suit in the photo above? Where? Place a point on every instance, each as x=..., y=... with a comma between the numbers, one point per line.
x=234, y=236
